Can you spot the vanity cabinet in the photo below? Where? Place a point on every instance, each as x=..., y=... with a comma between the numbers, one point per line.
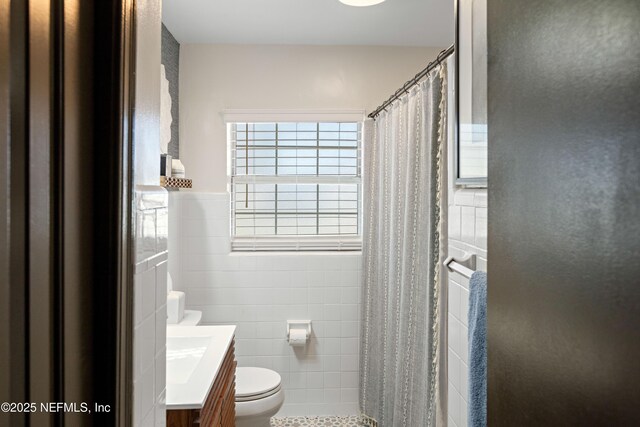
x=219, y=407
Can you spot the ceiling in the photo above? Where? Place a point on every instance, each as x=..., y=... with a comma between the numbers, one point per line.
x=320, y=22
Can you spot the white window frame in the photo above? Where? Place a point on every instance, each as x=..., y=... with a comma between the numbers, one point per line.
x=292, y=242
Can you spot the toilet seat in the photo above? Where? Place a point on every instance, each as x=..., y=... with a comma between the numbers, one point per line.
x=251, y=398
x=256, y=383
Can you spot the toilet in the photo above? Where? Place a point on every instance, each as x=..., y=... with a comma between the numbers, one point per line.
x=259, y=396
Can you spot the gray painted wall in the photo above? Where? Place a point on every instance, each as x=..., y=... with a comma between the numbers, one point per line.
x=171, y=62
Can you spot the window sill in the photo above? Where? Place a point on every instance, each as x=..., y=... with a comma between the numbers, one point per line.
x=296, y=244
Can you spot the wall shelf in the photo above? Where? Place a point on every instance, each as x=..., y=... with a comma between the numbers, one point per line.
x=173, y=182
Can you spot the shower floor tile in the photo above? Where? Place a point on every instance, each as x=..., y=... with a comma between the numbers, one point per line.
x=352, y=421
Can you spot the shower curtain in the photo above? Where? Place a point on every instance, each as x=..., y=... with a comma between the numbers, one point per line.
x=404, y=189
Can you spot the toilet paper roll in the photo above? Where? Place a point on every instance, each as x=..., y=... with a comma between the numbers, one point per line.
x=297, y=337
x=175, y=307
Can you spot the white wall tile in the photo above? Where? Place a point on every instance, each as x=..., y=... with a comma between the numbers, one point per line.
x=349, y=329
x=145, y=234
x=199, y=209
x=469, y=210
x=332, y=328
x=480, y=198
x=315, y=295
x=455, y=214
x=481, y=227
x=147, y=339
x=331, y=346
x=264, y=330
x=349, y=312
x=332, y=363
x=464, y=306
x=316, y=312
x=349, y=395
x=161, y=283
x=458, y=372
x=457, y=407
x=259, y=292
x=150, y=291
x=458, y=338
x=299, y=396
x=160, y=381
x=143, y=390
x=137, y=403
x=349, y=345
x=468, y=224
x=161, y=408
x=350, y=294
x=137, y=298
x=161, y=329
x=280, y=363
x=333, y=278
x=332, y=312
x=315, y=395
x=297, y=296
x=332, y=395
x=205, y=227
x=464, y=197
x=200, y=245
x=453, y=298
x=162, y=229
x=332, y=295
x=298, y=380
x=316, y=278
x=349, y=379
x=149, y=420
x=311, y=364
x=315, y=380
x=349, y=363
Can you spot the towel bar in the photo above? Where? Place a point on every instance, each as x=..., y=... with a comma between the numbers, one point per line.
x=458, y=264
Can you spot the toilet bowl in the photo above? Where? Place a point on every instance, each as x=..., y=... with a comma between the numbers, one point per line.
x=259, y=396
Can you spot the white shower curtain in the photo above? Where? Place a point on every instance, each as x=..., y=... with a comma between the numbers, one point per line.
x=404, y=188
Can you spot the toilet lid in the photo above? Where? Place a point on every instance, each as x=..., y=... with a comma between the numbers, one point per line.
x=256, y=383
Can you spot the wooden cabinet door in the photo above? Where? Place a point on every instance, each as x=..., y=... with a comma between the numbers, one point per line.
x=219, y=410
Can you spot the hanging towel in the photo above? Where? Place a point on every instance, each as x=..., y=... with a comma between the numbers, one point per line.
x=477, y=416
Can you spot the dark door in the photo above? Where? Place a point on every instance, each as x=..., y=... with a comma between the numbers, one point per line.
x=65, y=310
x=564, y=213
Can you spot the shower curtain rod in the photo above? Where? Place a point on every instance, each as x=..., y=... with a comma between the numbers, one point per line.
x=405, y=88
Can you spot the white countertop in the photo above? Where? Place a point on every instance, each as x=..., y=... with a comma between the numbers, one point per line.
x=194, y=357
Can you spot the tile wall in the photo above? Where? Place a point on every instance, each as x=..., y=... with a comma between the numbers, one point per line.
x=467, y=233
x=150, y=306
x=258, y=292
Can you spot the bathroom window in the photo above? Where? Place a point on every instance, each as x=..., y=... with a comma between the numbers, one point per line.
x=296, y=186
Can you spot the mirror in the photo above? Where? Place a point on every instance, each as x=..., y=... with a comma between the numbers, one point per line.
x=471, y=92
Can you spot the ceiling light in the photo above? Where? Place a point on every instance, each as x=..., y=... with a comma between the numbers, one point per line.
x=361, y=3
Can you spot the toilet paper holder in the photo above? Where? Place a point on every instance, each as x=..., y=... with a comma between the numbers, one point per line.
x=299, y=324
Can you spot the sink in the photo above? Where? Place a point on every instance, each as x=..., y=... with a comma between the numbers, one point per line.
x=183, y=356
x=194, y=358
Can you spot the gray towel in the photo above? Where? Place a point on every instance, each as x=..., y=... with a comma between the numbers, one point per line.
x=477, y=416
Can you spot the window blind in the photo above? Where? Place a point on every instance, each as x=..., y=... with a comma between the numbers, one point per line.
x=296, y=186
